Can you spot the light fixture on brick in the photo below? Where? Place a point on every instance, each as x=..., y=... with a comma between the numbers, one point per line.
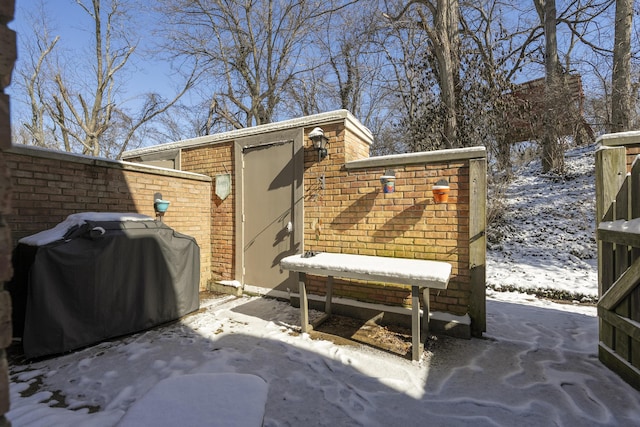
x=319, y=142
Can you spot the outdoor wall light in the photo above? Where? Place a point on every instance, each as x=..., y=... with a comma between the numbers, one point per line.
x=319, y=142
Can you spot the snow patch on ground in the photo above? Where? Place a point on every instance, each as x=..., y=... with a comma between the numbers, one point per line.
x=537, y=364
x=545, y=241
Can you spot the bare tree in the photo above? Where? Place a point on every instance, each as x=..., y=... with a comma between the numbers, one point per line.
x=440, y=20
x=407, y=75
x=34, y=86
x=576, y=16
x=32, y=80
x=352, y=75
x=552, y=152
x=86, y=120
x=84, y=113
x=490, y=57
x=621, y=77
x=485, y=58
x=355, y=59
x=307, y=93
x=433, y=75
x=250, y=51
x=598, y=101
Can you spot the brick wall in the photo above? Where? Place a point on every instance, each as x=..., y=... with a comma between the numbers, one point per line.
x=355, y=147
x=404, y=224
x=353, y=215
x=346, y=211
x=7, y=59
x=49, y=185
x=213, y=160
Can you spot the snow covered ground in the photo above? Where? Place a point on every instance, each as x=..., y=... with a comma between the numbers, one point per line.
x=545, y=241
x=536, y=366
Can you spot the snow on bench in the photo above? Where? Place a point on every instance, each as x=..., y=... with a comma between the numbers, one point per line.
x=195, y=400
x=414, y=272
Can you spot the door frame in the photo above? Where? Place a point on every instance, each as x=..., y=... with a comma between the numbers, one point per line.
x=295, y=135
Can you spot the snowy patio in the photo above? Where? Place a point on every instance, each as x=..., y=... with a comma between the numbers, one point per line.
x=537, y=366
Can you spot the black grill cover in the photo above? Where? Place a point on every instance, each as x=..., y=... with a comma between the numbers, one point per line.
x=103, y=280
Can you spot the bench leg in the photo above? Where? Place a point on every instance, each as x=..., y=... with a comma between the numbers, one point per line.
x=416, y=350
x=327, y=304
x=304, y=303
x=425, y=312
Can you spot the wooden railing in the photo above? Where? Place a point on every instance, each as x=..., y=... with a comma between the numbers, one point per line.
x=618, y=234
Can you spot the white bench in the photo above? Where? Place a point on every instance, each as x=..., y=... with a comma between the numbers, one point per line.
x=414, y=272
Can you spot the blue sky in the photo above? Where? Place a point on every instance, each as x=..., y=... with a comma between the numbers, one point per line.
x=72, y=24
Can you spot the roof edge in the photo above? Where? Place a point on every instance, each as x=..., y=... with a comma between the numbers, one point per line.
x=300, y=122
x=47, y=153
x=452, y=154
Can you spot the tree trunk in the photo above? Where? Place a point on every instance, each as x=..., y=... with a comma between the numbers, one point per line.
x=552, y=154
x=446, y=23
x=621, y=77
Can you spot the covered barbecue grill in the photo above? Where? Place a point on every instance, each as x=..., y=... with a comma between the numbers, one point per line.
x=97, y=276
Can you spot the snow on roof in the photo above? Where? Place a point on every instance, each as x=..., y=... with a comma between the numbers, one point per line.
x=300, y=122
x=77, y=219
